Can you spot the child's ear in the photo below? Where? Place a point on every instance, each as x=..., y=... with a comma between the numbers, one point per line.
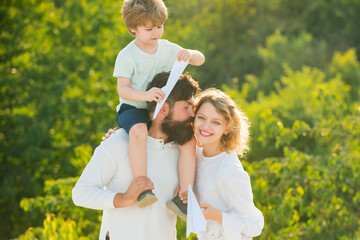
x=132, y=30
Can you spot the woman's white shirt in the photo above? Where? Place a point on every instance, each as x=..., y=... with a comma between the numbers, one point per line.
x=222, y=182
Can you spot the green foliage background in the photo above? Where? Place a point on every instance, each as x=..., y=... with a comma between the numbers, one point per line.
x=292, y=66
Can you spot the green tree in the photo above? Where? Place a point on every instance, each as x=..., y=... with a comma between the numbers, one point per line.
x=347, y=67
x=305, y=158
x=63, y=220
x=281, y=51
x=222, y=30
x=57, y=92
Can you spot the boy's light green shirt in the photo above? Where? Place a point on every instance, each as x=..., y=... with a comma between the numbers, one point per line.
x=141, y=67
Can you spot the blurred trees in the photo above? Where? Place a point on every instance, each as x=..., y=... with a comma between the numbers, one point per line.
x=307, y=136
x=292, y=66
x=63, y=220
x=57, y=93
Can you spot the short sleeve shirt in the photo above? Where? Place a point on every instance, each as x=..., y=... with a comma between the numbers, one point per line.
x=141, y=67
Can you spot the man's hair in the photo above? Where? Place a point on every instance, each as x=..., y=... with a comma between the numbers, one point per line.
x=138, y=12
x=237, y=122
x=185, y=88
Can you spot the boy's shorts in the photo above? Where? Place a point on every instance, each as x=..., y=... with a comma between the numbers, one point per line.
x=129, y=115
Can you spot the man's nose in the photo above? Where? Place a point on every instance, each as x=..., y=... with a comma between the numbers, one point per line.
x=191, y=112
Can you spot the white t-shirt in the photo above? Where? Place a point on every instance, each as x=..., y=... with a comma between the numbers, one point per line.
x=222, y=182
x=108, y=173
x=141, y=67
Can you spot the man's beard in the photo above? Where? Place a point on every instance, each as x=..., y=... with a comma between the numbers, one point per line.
x=178, y=131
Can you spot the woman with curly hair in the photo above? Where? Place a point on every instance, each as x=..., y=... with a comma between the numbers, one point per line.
x=222, y=184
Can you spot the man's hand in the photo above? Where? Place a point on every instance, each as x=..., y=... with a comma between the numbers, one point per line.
x=109, y=132
x=137, y=186
x=154, y=94
x=211, y=213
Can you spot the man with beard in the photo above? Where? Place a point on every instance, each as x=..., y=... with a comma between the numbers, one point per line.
x=106, y=183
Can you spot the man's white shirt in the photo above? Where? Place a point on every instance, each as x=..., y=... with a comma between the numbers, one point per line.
x=108, y=173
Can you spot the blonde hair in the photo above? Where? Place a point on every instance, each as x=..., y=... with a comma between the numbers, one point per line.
x=138, y=12
x=236, y=121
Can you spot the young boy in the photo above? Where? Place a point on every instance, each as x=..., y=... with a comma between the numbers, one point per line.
x=135, y=67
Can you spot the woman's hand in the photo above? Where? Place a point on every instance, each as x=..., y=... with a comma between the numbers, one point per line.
x=109, y=132
x=211, y=213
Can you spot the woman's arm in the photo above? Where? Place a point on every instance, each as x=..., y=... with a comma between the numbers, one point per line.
x=244, y=218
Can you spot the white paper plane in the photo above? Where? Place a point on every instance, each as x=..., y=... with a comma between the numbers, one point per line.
x=195, y=218
x=176, y=71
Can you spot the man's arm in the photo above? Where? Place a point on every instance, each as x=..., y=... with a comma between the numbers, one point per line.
x=89, y=191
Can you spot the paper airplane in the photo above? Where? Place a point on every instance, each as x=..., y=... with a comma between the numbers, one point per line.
x=175, y=73
x=195, y=218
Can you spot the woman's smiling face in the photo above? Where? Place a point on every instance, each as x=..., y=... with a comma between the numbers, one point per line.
x=209, y=125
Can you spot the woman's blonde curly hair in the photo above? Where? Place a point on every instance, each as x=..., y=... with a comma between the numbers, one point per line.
x=237, y=122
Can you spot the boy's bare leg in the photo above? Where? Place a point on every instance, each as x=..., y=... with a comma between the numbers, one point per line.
x=187, y=165
x=186, y=169
x=137, y=149
x=138, y=159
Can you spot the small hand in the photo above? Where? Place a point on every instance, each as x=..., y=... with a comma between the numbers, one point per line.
x=154, y=94
x=109, y=132
x=184, y=55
